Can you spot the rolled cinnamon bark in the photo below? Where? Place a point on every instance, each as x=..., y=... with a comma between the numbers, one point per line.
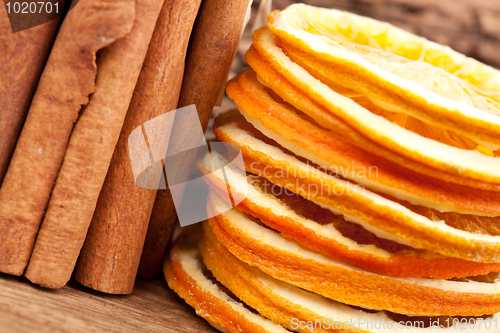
x=21, y=63
x=110, y=256
x=211, y=52
x=65, y=85
x=160, y=229
x=90, y=149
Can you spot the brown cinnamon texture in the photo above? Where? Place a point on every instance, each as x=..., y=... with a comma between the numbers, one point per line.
x=211, y=52
x=110, y=256
x=65, y=85
x=22, y=59
x=160, y=229
x=89, y=153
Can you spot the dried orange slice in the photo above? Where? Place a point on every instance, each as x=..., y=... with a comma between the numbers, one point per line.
x=465, y=163
x=382, y=216
x=322, y=231
x=290, y=262
x=309, y=140
x=293, y=308
x=396, y=68
x=295, y=97
x=185, y=275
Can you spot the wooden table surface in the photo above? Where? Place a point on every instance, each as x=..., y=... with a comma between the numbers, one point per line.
x=152, y=307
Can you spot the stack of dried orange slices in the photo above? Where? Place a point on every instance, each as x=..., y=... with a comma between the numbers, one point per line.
x=370, y=194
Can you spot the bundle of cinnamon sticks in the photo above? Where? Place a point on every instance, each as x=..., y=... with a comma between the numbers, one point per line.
x=74, y=90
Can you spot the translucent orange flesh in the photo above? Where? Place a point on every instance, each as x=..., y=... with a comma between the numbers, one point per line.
x=267, y=72
x=231, y=127
x=279, y=118
x=379, y=79
x=209, y=307
x=343, y=284
x=404, y=262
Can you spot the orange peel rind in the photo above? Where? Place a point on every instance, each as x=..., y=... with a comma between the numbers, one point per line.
x=308, y=140
x=184, y=274
x=397, y=69
x=289, y=306
x=299, y=99
x=297, y=218
x=460, y=162
x=289, y=262
x=384, y=217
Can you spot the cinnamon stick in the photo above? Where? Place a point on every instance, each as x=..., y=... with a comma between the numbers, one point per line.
x=22, y=60
x=211, y=52
x=90, y=149
x=110, y=256
x=65, y=85
x=160, y=229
